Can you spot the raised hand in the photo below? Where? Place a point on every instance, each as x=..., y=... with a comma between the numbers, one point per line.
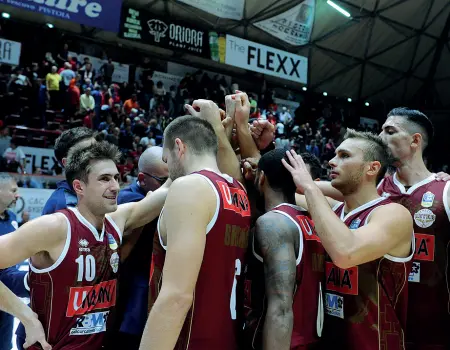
x=206, y=110
x=298, y=170
x=249, y=166
x=262, y=132
x=242, y=113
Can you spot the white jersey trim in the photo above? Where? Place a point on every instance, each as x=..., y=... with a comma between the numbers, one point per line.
x=213, y=220
x=445, y=199
x=380, y=184
x=86, y=223
x=300, y=241
x=25, y=282
x=336, y=206
x=361, y=208
x=402, y=188
x=63, y=253
x=113, y=224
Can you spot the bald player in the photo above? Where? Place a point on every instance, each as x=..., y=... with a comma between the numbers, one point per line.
x=136, y=253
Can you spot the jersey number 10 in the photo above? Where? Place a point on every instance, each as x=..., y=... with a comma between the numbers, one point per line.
x=86, y=268
x=237, y=272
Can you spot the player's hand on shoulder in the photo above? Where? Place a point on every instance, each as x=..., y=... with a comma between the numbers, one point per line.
x=441, y=176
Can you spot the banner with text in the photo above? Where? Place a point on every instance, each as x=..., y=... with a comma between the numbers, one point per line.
x=43, y=158
x=121, y=71
x=31, y=200
x=293, y=26
x=143, y=26
x=104, y=14
x=265, y=59
x=10, y=52
x=232, y=9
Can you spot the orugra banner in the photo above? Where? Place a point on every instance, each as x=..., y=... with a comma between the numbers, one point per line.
x=293, y=26
x=265, y=59
x=10, y=52
x=232, y=9
x=104, y=14
x=144, y=27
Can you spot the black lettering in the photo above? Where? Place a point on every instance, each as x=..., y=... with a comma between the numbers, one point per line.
x=250, y=54
x=423, y=248
x=282, y=61
x=269, y=61
x=79, y=323
x=346, y=280
x=333, y=278
x=295, y=64
x=104, y=294
x=259, y=63
x=44, y=163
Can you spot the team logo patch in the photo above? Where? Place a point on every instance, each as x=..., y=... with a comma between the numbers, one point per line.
x=334, y=305
x=414, y=276
x=15, y=225
x=90, y=324
x=112, y=242
x=386, y=195
x=83, y=243
x=355, y=224
x=427, y=199
x=424, y=218
x=114, y=261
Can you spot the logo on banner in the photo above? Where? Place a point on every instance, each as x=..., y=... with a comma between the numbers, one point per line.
x=157, y=28
x=344, y=281
x=334, y=305
x=424, y=247
x=424, y=218
x=427, y=199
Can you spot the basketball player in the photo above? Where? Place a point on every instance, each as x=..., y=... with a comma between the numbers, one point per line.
x=408, y=133
x=203, y=229
x=74, y=253
x=283, y=293
x=370, y=243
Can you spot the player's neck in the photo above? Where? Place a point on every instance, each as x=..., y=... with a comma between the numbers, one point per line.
x=363, y=195
x=412, y=171
x=201, y=163
x=275, y=199
x=96, y=221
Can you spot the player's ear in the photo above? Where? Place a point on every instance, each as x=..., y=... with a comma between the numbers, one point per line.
x=141, y=179
x=77, y=186
x=64, y=162
x=374, y=168
x=416, y=141
x=261, y=179
x=180, y=148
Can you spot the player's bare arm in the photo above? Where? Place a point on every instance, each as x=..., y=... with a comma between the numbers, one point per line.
x=33, y=328
x=275, y=236
x=242, y=114
x=389, y=230
x=130, y=216
x=300, y=200
x=46, y=234
x=189, y=208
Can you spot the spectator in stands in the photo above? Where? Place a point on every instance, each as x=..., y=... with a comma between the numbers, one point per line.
x=15, y=158
x=88, y=120
x=159, y=89
x=64, y=54
x=330, y=148
x=148, y=140
x=67, y=74
x=87, y=102
x=5, y=139
x=87, y=84
x=253, y=104
x=52, y=82
x=130, y=104
x=73, y=100
x=64, y=195
x=107, y=70
x=87, y=72
x=114, y=136
x=313, y=148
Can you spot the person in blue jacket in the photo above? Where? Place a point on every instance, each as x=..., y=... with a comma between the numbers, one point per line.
x=11, y=277
x=63, y=196
x=136, y=254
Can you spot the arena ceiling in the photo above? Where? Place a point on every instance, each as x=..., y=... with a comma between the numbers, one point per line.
x=389, y=51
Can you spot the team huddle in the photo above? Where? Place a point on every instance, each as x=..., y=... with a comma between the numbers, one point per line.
x=249, y=250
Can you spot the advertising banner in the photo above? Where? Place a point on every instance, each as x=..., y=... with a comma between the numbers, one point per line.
x=43, y=158
x=31, y=200
x=293, y=26
x=103, y=14
x=144, y=27
x=232, y=9
x=121, y=71
x=265, y=59
x=10, y=52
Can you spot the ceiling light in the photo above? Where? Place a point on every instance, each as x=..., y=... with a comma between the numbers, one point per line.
x=367, y=104
x=325, y=93
x=6, y=15
x=349, y=99
x=50, y=25
x=304, y=88
x=338, y=8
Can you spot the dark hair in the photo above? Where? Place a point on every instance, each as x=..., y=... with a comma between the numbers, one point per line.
x=70, y=138
x=376, y=149
x=280, y=179
x=197, y=133
x=80, y=159
x=314, y=164
x=418, y=119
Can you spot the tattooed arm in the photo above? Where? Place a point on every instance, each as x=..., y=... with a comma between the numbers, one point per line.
x=275, y=235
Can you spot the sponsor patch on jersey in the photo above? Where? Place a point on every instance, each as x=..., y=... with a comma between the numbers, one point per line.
x=385, y=195
x=424, y=218
x=234, y=199
x=307, y=226
x=355, y=224
x=427, y=199
x=83, y=243
x=414, y=276
x=343, y=281
x=114, y=261
x=424, y=247
x=90, y=324
x=111, y=241
x=334, y=305
x=89, y=298
x=15, y=224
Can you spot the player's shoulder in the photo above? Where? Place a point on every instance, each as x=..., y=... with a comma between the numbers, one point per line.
x=391, y=211
x=274, y=223
x=192, y=185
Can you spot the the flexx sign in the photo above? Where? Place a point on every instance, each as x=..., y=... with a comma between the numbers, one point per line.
x=267, y=60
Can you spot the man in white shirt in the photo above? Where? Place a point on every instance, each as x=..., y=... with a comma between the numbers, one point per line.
x=15, y=158
x=87, y=102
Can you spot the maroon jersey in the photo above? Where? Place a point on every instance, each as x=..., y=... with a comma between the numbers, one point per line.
x=212, y=323
x=365, y=305
x=307, y=301
x=74, y=297
x=429, y=298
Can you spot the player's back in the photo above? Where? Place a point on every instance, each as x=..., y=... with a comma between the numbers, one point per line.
x=365, y=305
x=429, y=296
x=307, y=304
x=211, y=322
x=75, y=296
